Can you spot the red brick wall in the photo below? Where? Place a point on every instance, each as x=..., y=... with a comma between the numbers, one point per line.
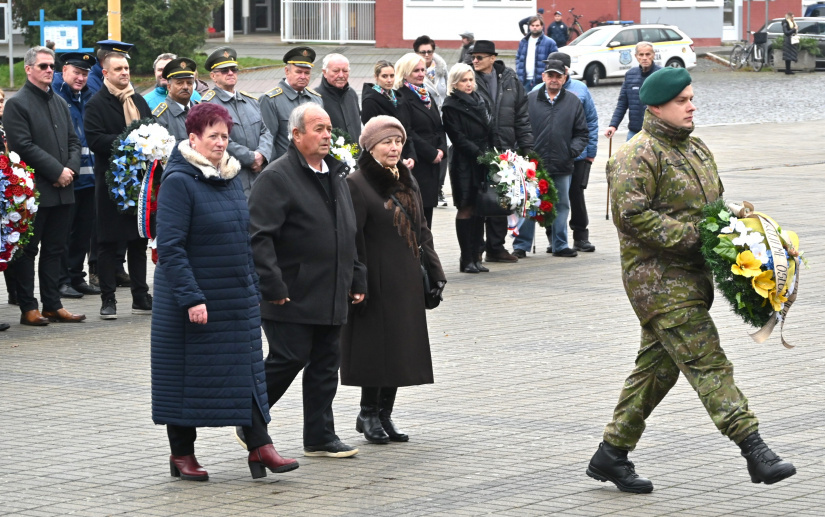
x=389, y=19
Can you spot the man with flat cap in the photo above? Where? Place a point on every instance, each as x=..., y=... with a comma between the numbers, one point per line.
x=291, y=92
x=72, y=87
x=467, y=41
x=659, y=183
x=250, y=142
x=171, y=113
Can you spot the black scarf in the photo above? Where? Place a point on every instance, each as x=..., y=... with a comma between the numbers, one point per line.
x=475, y=102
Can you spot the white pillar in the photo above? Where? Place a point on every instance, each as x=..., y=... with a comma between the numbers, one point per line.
x=228, y=20
x=245, y=14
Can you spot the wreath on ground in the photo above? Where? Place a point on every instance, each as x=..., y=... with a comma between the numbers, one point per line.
x=18, y=205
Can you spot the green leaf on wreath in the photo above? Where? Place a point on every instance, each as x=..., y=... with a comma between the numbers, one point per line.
x=739, y=301
x=724, y=215
x=726, y=249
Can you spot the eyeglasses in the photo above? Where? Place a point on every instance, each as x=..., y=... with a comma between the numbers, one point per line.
x=425, y=52
x=224, y=71
x=43, y=66
x=479, y=58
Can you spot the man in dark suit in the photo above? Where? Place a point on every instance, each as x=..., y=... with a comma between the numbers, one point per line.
x=55, y=157
x=108, y=113
x=302, y=224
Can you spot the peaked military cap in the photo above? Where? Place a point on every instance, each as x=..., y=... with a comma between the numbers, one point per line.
x=180, y=68
x=300, y=56
x=223, y=57
x=115, y=46
x=82, y=60
x=663, y=85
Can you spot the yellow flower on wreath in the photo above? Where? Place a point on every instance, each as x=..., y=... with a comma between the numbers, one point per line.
x=747, y=265
x=776, y=300
x=763, y=283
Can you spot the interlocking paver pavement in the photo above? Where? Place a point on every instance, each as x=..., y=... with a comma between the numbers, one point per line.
x=528, y=359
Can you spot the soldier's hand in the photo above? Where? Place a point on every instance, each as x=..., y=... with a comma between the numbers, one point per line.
x=609, y=132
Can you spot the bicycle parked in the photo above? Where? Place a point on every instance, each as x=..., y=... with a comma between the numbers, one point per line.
x=755, y=53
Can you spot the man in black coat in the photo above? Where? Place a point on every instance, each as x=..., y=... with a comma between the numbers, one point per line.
x=505, y=95
x=108, y=113
x=340, y=101
x=302, y=225
x=560, y=128
x=39, y=128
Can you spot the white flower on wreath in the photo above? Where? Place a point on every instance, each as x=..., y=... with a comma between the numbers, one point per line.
x=735, y=225
x=14, y=217
x=340, y=142
x=13, y=237
x=31, y=205
x=760, y=251
x=748, y=239
x=14, y=157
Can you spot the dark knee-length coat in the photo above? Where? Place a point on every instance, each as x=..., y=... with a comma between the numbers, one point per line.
x=212, y=374
x=385, y=341
x=467, y=121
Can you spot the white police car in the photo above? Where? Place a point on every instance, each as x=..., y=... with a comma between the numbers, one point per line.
x=608, y=51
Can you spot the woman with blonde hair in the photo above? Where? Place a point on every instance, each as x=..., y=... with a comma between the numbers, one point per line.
x=426, y=130
x=790, y=47
x=466, y=118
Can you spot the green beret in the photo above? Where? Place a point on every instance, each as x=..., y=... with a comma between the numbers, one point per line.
x=663, y=85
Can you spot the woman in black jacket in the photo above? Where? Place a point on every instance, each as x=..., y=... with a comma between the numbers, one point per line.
x=381, y=99
x=426, y=129
x=466, y=117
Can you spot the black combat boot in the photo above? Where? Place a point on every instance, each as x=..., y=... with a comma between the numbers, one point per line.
x=764, y=465
x=367, y=421
x=385, y=404
x=611, y=464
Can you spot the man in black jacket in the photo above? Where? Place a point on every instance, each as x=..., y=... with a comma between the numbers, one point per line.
x=39, y=128
x=560, y=128
x=340, y=101
x=505, y=95
x=302, y=225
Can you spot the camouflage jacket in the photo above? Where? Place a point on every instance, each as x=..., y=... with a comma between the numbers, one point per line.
x=659, y=182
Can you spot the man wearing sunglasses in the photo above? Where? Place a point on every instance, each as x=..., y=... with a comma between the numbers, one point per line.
x=250, y=142
x=55, y=157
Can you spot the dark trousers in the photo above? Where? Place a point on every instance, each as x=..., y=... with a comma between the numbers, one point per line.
x=108, y=264
x=80, y=237
x=182, y=439
x=315, y=349
x=578, y=209
x=496, y=233
x=428, y=216
x=51, y=229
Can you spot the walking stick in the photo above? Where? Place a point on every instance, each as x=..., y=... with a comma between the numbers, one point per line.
x=609, y=154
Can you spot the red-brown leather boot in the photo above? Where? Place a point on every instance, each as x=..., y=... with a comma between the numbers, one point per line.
x=267, y=457
x=187, y=467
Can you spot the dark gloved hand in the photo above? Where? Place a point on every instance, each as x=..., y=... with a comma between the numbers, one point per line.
x=438, y=289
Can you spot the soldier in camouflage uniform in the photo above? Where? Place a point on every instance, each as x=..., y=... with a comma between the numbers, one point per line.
x=171, y=113
x=250, y=142
x=291, y=92
x=659, y=182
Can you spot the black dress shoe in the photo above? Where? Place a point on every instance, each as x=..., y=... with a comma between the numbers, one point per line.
x=480, y=267
x=67, y=291
x=85, y=288
x=369, y=424
x=611, y=464
x=520, y=254
x=583, y=246
x=4, y=326
x=764, y=465
x=467, y=267
x=566, y=252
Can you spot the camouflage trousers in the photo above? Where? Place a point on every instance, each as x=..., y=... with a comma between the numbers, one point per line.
x=683, y=340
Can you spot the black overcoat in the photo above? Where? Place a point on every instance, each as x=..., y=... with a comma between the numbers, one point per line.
x=303, y=241
x=205, y=375
x=104, y=121
x=385, y=341
x=468, y=127
x=790, y=51
x=428, y=136
x=374, y=104
x=39, y=128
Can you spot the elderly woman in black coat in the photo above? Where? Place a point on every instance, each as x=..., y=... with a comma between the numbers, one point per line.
x=380, y=98
x=789, y=49
x=385, y=343
x=207, y=363
x=427, y=132
x=466, y=118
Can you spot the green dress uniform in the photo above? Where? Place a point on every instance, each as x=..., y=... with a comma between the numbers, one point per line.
x=276, y=105
x=249, y=133
x=659, y=183
x=172, y=116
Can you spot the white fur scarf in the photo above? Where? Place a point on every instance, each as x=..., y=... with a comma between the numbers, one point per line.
x=228, y=169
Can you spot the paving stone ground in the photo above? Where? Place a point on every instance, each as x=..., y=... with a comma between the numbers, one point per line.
x=528, y=359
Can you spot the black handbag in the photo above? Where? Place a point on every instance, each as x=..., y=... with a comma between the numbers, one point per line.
x=487, y=202
x=432, y=291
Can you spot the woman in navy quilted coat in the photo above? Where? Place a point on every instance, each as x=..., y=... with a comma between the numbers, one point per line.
x=207, y=363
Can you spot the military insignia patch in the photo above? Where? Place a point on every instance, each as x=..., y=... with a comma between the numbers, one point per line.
x=208, y=96
x=248, y=95
x=274, y=92
x=159, y=110
x=313, y=92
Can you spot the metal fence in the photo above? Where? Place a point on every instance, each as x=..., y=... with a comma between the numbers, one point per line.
x=339, y=21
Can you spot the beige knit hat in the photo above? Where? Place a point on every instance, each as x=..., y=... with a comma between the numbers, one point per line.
x=379, y=128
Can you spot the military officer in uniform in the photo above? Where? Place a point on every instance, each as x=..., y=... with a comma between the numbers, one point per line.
x=171, y=113
x=250, y=142
x=291, y=92
x=659, y=183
